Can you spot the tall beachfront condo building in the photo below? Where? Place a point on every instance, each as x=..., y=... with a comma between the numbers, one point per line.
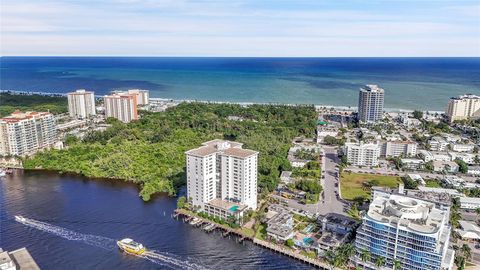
x=81, y=103
x=404, y=230
x=370, y=103
x=463, y=107
x=121, y=106
x=222, y=178
x=142, y=95
x=23, y=134
x=360, y=154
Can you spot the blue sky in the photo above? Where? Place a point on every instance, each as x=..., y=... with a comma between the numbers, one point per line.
x=241, y=27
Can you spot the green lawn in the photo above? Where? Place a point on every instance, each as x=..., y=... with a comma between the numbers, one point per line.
x=432, y=183
x=310, y=254
x=261, y=232
x=351, y=184
x=247, y=231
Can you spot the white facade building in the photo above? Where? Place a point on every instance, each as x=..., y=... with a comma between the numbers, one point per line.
x=399, y=148
x=81, y=104
x=463, y=107
x=222, y=171
x=399, y=228
x=370, y=103
x=459, y=147
x=473, y=170
x=23, y=134
x=465, y=157
x=471, y=203
x=362, y=154
x=121, y=106
x=438, y=143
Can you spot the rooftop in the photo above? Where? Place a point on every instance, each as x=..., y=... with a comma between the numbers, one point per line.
x=416, y=215
x=224, y=147
x=80, y=92
x=227, y=205
x=18, y=116
x=372, y=88
x=21, y=257
x=280, y=222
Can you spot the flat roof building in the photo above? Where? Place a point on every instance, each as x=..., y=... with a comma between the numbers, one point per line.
x=81, y=104
x=223, y=170
x=399, y=228
x=23, y=134
x=463, y=107
x=19, y=259
x=359, y=154
x=121, y=106
x=142, y=96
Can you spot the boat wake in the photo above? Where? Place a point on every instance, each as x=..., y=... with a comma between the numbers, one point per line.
x=106, y=243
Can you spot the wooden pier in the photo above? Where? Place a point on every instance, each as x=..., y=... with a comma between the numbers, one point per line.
x=290, y=253
x=242, y=237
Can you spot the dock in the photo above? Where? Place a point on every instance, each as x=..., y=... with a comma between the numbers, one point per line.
x=226, y=231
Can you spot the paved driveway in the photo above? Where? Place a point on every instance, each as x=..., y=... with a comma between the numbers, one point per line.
x=329, y=202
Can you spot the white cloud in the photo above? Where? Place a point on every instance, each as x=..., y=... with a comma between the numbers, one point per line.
x=171, y=27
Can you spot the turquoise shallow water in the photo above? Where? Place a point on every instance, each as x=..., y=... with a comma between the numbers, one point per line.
x=410, y=83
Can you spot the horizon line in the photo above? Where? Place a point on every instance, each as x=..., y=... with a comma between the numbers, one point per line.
x=226, y=56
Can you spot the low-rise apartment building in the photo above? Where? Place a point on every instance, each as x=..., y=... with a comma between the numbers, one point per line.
x=438, y=143
x=399, y=148
x=359, y=154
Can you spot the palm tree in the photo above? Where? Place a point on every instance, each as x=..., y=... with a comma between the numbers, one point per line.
x=380, y=261
x=397, y=265
x=467, y=252
x=477, y=211
x=344, y=252
x=365, y=256
x=330, y=257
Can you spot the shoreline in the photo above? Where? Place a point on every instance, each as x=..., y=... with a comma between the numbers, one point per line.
x=110, y=180
x=242, y=103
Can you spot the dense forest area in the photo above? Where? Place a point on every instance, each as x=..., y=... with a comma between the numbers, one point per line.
x=11, y=102
x=150, y=151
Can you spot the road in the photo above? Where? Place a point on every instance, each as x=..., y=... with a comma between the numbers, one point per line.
x=329, y=202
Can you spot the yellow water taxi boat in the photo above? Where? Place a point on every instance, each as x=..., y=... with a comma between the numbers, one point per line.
x=130, y=246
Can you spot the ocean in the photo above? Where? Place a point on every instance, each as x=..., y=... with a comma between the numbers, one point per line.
x=410, y=83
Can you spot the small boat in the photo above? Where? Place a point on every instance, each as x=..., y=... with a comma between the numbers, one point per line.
x=130, y=246
x=195, y=221
x=20, y=219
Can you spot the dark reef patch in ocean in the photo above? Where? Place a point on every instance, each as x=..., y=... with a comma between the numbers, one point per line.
x=52, y=81
x=325, y=85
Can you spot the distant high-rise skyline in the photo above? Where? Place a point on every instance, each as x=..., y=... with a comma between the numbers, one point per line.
x=240, y=28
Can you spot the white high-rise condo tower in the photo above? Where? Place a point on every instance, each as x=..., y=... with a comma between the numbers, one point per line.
x=370, y=103
x=463, y=107
x=222, y=178
x=81, y=103
x=121, y=106
x=23, y=134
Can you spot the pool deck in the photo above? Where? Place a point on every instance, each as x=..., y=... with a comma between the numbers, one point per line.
x=274, y=247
